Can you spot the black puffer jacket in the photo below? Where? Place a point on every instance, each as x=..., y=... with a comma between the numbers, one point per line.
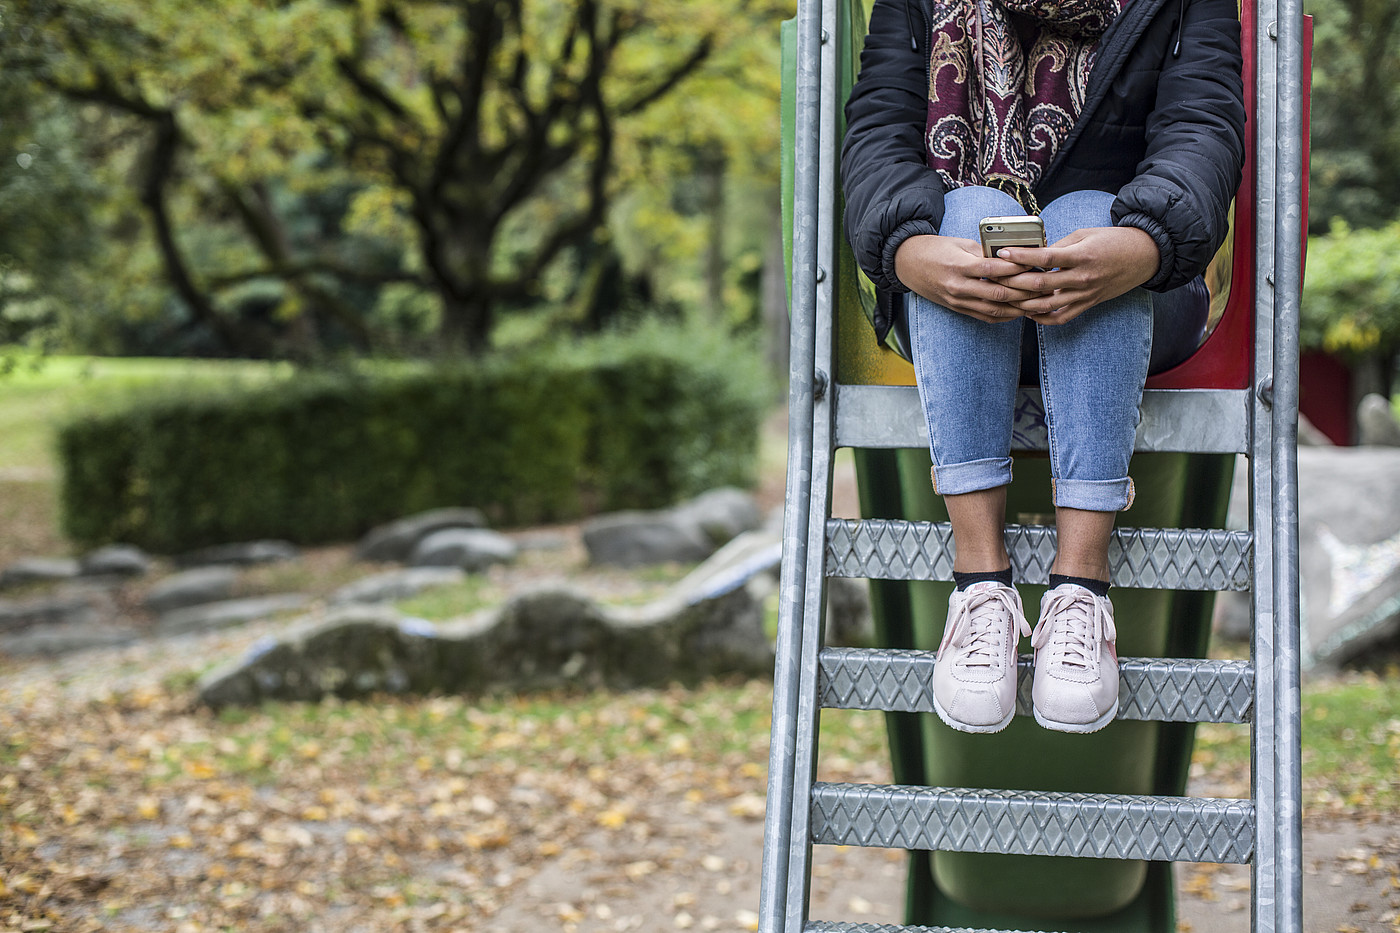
x=1162, y=127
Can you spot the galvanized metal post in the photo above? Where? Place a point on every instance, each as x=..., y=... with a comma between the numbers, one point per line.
x=797, y=508
x=1288, y=286
x=1265, y=732
x=814, y=601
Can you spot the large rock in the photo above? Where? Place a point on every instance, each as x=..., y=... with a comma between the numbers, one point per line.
x=241, y=554
x=1349, y=552
x=1375, y=422
x=67, y=637
x=1310, y=436
x=192, y=588
x=38, y=570
x=116, y=560
x=394, y=585
x=690, y=532
x=396, y=540
x=634, y=539
x=227, y=613
x=64, y=608
x=722, y=514
x=701, y=628
x=470, y=549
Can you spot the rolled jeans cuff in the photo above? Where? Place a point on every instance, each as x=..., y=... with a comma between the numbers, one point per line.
x=954, y=479
x=1093, y=495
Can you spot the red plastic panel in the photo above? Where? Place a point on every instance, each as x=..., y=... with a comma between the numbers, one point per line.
x=1224, y=361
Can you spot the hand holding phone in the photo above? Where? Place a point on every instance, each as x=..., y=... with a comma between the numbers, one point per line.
x=997, y=232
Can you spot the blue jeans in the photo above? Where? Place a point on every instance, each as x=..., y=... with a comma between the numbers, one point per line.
x=1092, y=371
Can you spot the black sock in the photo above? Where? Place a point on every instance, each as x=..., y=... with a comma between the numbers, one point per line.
x=1097, y=587
x=964, y=580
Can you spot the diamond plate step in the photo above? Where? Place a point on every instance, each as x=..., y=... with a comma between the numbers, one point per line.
x=828, y=926
x=1155, y=689
x=1174, y=829
x=1144, y=558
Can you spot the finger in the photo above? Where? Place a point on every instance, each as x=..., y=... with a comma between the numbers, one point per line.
x=991, y=312
x=1043, y=257
x=1048, y=304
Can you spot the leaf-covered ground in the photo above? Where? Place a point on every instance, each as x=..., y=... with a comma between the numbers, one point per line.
x=136, y=811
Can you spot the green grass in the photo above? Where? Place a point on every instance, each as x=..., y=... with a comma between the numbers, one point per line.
x=442, y=603
x=1351, y=744
x=400, y=736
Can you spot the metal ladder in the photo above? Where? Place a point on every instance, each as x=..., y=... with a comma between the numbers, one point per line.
x=1259, y=421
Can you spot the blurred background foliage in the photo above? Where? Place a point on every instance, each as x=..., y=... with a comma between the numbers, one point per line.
x=304, y=179
x=300, y=179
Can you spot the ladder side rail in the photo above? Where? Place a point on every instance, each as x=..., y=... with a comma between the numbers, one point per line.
x=797, y=507
x=814, y=599
x=1288, y=281
x=1263, y=736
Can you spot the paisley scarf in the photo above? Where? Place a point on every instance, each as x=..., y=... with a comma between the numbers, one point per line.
x=1007, y=80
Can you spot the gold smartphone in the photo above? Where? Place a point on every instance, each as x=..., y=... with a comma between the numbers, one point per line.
x=1011, y=231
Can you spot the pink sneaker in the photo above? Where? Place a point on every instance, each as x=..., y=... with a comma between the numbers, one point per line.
x=1076, y=661
x=974, y=677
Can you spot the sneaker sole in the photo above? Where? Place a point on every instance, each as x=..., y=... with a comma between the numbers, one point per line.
x=967, y=726
x=1076, y=727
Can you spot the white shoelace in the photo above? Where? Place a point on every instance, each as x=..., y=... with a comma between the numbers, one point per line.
x=1073, y=624
x=981, y=623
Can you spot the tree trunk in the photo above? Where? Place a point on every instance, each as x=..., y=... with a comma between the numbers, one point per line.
x=466, y=322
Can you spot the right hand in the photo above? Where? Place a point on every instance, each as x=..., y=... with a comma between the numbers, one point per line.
x=952, y=272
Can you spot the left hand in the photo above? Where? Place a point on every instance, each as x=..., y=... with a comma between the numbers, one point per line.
x=1084, y=269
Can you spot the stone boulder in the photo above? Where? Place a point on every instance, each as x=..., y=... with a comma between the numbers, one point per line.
x=722, y=514
x=540, y=640
x=687, y=533
x=38, y=570
x=1375, y=422
x=192, y=588
x=396, y=540
x=67, y=607
x=66, y=637
x=1349, y=553
x=634, y=539
x=469, y=549
x=394, y=585
x=115, y=560
x=1310, y=436
x=241, y=554
x=227, y=613
x=69, y=619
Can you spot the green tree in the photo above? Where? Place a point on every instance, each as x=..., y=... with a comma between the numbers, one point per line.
x=340, y=158
x=1351, y=298
x=1355, y=113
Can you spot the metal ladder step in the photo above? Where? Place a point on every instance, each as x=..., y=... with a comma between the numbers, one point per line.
x=1193, y=420
x=1144, y=558
x=828, y=926
x=1155, y=689
x=1176, y=829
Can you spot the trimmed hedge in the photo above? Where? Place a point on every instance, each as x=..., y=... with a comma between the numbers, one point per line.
x=624, y=422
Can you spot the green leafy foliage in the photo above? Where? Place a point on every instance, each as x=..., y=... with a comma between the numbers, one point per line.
x=638, y=421
x=1355, y=173
x=1351, y=296
x=282, y=178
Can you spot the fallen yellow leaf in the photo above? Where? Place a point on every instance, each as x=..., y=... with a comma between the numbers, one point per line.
x=612, y=819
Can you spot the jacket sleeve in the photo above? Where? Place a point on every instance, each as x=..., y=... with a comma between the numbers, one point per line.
x=891, y=194
x=1195, y=146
